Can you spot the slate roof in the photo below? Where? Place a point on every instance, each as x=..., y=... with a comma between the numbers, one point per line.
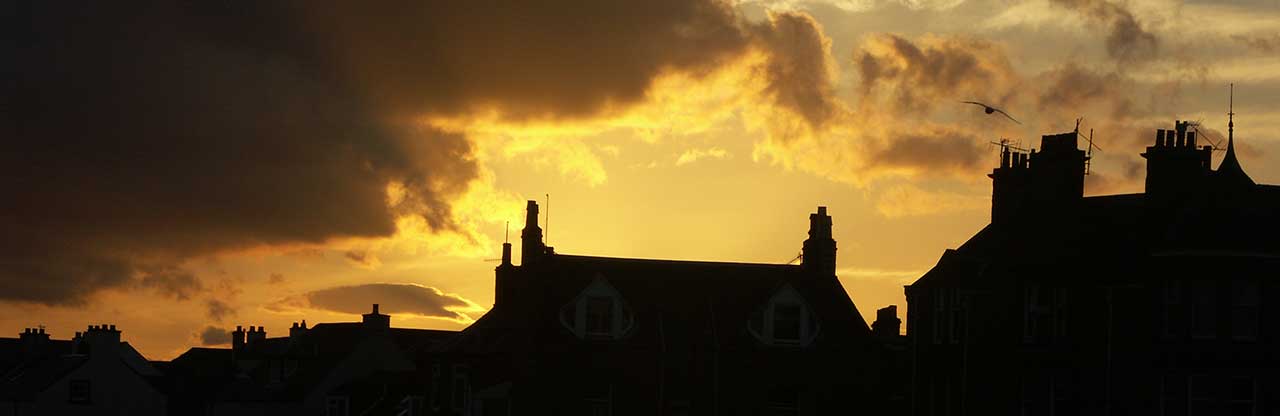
x=1230, y=216
x=674, y=302
x=317, y=351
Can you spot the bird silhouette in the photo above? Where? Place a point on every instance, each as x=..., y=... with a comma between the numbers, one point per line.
x=989, y=109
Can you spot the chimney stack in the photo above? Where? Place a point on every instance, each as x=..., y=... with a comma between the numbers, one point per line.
x=33, y=341
x=887, y=323
x=376, y=321
x=531, y=244
x=103, y=341
x=237, y=338
x=819, y=252
x=297, y=329
x=256, y=335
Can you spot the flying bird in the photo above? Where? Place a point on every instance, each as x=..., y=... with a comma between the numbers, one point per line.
x=989, y=109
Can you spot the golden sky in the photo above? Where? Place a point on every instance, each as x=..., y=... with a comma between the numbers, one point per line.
x=202, y=167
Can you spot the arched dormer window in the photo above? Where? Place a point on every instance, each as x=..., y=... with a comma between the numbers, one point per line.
x=597, y=313
x=785, y=320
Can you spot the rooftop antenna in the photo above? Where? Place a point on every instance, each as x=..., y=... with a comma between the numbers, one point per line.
x=1207, y=135
x=1088, y=153
x=1010, y=144
x=1231, y=112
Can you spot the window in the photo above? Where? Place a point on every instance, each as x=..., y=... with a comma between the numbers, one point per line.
x=784, y=320
x=598, y=400
x=939, y=314
x=1242, y=396
x=79, y=391
x=1244, y=310
x=599, y=316
x=1059, y=314
x=435, y=386
x=1204, y=317
x=1201, y=396
x=1044, y=314
x=1062, y=395
x=1035, y=314
x=1173, y=396
x=410, y=406
x=957, y=318
x=597, y=313
x=461, y=391
x=275, y=370
x=783, y=401
x=337, y=406
x=1035, y=396
x=1175, y=311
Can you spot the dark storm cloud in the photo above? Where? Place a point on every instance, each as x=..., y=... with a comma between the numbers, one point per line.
x=798, y=69
x=212, y=335
x=917, y=74
x=1071, y=87
x=525, y=59
x=393, y=298
x=931, y=149
x=217, y=309
x=171, y=281
x=1127, y=41
x=360, y=257
x=144, y=135
x=1260, y=43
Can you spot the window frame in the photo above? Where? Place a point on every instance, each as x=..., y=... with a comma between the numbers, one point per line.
x=1204, y=309
x=1245, y=301
x=72, y=389
x=343, y=402
x=807, y=324
x=576, y=316
x=460, y=388
x=1175, y=313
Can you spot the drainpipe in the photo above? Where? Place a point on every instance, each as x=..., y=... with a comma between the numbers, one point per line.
x=1110, y=328
x=662, y=364
x=715, y=363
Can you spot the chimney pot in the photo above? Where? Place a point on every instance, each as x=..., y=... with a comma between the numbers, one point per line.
x=375, y=308
x=113, y=327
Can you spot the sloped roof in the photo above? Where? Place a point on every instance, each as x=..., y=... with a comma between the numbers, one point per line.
x=34, y=376
x=1229, y=172
x=318, y=350
x=1111, y=231
x=674, y=302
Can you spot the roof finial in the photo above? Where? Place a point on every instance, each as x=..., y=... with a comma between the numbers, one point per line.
x=1230, y=167
x=1231, y=112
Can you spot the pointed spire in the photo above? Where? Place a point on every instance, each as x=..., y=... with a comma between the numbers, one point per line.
x=1229, y=170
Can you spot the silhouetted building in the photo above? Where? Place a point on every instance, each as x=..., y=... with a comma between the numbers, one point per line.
x=333, y=369
x=92, y=374
x=1151, y=303
x=589, y=335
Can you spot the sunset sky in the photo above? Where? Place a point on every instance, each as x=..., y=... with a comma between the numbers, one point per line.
x=180, y=170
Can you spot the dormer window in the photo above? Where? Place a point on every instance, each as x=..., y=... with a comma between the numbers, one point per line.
x=599, y=316
x=784, y=320
x=597, y=313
